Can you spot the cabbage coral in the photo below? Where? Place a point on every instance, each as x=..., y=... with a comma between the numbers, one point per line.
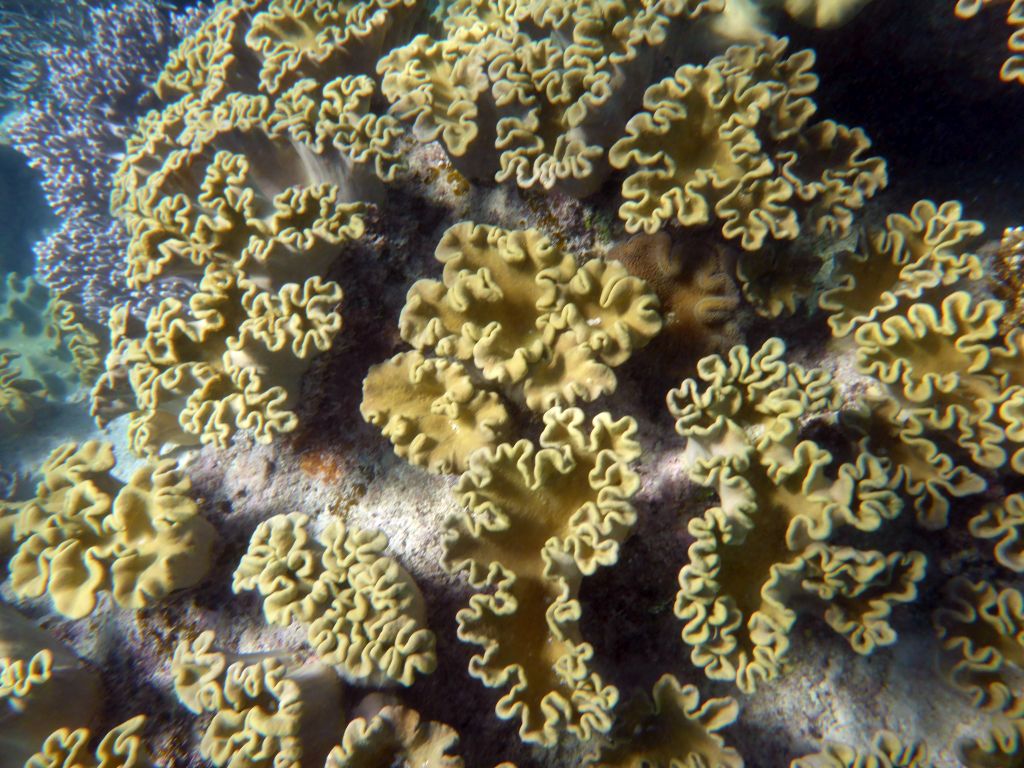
x=86, y=532
x=267, y=711
x=247, y=181
x=364, y=613
x=783, y=499
x=733, y=141
x=532, y=93
x=516, y=311
x=887, y=751
x=37, y=674
x=536, y=520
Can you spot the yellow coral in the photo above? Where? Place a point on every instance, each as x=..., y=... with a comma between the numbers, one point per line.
x=1013, y=67
x=36, y=675
x=731, y=140
x=887, y=751
x=674, y=729
x=364, y=613
x=432, y=411
x=267, y=712
x=86, y=532
x=782, y=499
x=536, y=519
x=121, y=747
x=1003, y=521
x=395, y=735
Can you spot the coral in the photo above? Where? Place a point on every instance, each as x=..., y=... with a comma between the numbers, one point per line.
x=394, y=735
x=1003, y=521
x=74, y=133
x=267, y=711
x=31, y=32
x=675, y=729
x=913, y=305
x=887, y=751
x=782, y=499
x=45, y=351
x=121, y=747
x=823, y=13
x=249, y=179
x=1013, y=67
x=86, y=532
x=732, y=140
x=532, y=92
x=364, y=613
x=37, y=676
x=535, y=520
x=980, y=630
x=229, y=359
x=535, y=327
x=432, y=411
x=997, y=747
x=698, y=298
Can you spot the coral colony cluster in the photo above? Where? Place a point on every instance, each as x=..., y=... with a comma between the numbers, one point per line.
x=522, y=227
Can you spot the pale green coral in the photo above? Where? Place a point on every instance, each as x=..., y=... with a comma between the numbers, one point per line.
x=362, y=610
x=395, y=735
x=86, y=532
x=120, y=747
x=1003, y=521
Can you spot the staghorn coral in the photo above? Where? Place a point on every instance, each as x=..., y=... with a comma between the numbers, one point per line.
x=887, y=751
x=732, y=140
x=532, y=92
x=537, y=519
x=1013, y=67
x=516, y=312
x=675, y=729
x=45, y=350
x=267, y=711
x=86, y=532
x=250, y=179
x=37, y=674
x=390, y=734
x=782, y=499
x=74, y=133
x=364, y=613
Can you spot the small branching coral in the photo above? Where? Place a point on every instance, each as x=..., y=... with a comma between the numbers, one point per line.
x=45, y=350
x=782, y=499
x=675, y=729
x=364, y=613
x=43, y=688
x=536, y=520
x=86, y=532
x=248, y=181
x=512, y=316
x=887, y=751
x=911, y=302
x=732, y=140
x=533, y=92
x=267, y=711
x=390, y=734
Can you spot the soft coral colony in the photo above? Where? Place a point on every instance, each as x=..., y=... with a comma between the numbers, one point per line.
x=277, y=131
